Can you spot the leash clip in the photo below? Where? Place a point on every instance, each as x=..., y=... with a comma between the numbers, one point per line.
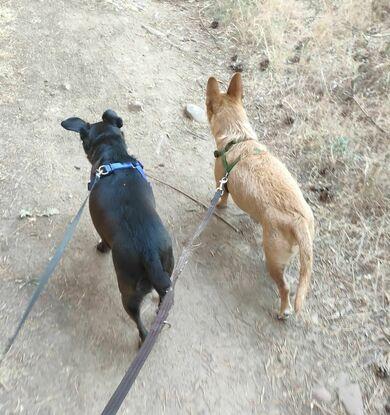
x=222, y=182
x=102, y=171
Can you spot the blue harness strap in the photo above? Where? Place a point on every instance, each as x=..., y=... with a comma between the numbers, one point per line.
x=106, y=169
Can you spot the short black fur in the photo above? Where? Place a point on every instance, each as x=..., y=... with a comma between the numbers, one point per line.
x=123, y=210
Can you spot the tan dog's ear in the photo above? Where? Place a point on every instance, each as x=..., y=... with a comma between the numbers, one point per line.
x=212, y=94
x=212, y=89
x=235, y=89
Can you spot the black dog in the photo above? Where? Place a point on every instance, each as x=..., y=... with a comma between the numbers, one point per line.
x=123, y=210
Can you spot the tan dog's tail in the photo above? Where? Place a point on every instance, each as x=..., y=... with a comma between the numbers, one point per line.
x=305, y=243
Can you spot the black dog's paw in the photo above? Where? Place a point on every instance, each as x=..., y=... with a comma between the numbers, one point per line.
x=102, y=247
x=162, y=294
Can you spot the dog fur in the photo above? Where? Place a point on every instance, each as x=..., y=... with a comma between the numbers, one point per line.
x=261, y=185
x=123, y=210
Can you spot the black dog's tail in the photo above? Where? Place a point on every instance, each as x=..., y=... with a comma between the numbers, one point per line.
x=159, y=279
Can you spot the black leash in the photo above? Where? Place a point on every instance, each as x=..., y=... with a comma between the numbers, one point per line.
x=128, y=379
x=50, y=267
x=125, y=385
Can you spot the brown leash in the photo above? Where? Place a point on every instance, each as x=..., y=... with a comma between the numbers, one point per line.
x=130, y=376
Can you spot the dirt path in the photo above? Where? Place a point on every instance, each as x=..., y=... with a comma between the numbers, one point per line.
x=225, y=352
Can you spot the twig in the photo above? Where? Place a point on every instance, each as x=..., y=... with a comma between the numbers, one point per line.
x=387, y=337
x=201, y=137
x=324, y=81
x=379, y=34
x=368, y=116
x=161, y=35
x=6, y=387
x=194, y=200
x=359, y=252
x=208, y=31
x=372, y=398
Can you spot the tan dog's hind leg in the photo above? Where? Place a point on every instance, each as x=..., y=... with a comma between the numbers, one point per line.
x=278, y=252
x=223, y=201
x=304, y=235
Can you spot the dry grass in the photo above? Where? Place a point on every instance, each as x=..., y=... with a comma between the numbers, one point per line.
x=323, y=105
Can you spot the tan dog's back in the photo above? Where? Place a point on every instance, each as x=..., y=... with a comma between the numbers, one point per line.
x=261, y=185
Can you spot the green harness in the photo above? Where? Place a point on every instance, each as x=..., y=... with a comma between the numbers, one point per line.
x=222, y=153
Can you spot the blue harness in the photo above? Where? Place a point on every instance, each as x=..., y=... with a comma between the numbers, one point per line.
x=106, y=169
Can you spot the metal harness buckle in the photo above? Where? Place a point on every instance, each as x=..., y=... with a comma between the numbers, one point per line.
x=102, y=171
x=222, y=182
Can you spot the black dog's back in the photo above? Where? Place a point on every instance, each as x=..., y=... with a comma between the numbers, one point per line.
x=123, y=211
x=122, y=208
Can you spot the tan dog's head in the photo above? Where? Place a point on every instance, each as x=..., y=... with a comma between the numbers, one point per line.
x=225, y=111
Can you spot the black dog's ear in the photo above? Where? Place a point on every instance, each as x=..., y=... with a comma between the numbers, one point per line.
x=74, y=124
x=111, y=117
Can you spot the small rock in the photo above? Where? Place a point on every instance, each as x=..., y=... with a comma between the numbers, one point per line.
x=214, y=24
x=135, y=107
x=323, y=171
x=195, y=113
x=65, y=86
x=236, y=66
x=387, y=406
x=282, y=358
x=361, y=56
x=321, y=394
x=346, y=112
x=299, y=46
x=294, y=59
x=381, y=371
x=24, y=213
x=289, y=120
x=49, y=212
x=351, y=397
x=318, y=93
x=382, y=366
x=264, y=63
x=325, y=194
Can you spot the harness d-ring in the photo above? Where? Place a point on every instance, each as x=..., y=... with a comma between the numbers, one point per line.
x=222, y=183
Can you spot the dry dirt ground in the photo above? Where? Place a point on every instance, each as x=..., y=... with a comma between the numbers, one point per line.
x=225, y=352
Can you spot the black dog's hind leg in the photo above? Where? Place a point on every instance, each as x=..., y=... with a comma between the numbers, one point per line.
x=132, y=304
x=161, y=284
x=102, y=247
x=167, y=262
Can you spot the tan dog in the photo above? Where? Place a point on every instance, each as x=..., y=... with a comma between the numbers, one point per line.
x=261, y=185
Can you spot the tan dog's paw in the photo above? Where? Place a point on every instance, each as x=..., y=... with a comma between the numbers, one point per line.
x=221, y=205
x=282, y=316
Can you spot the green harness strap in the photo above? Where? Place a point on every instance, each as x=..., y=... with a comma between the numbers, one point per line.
x=222, y=153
